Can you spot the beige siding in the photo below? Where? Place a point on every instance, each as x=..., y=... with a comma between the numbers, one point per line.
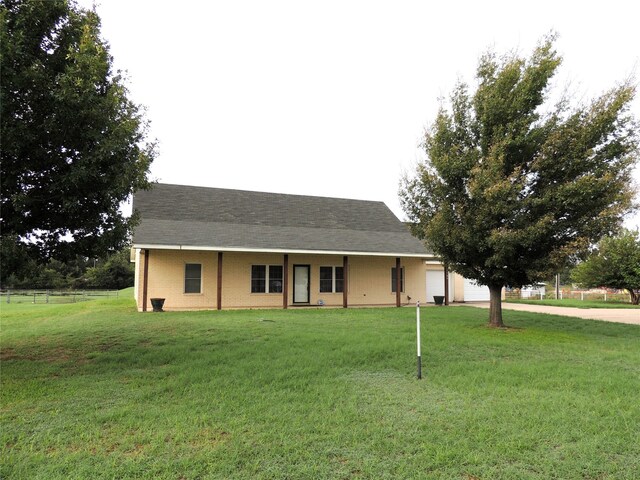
x=166, y=279
x=315, y=262
x=369, y=280
x=458, y=288
x=236, y=280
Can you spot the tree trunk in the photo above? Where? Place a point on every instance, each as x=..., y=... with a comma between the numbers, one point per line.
x=635, y=296
x=495, y=308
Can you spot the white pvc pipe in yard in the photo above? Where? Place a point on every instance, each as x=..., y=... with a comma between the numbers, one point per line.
x=418, y=340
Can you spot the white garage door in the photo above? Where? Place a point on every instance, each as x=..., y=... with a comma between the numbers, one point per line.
x=435, y=285
x=474, y=292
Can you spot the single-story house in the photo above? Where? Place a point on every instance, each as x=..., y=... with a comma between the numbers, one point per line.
x=212, y=248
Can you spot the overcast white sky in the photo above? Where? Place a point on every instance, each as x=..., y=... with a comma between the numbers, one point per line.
x=330, y=97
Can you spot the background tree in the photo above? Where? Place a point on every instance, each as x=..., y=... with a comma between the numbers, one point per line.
x=614, y=263
x=511, y=185
x=73, y=145
x=113, y=271
x=117, y=272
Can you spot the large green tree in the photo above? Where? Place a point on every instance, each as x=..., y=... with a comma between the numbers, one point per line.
x=511, y=185
x=74, y=146
x=116, y=272
x=614, y=263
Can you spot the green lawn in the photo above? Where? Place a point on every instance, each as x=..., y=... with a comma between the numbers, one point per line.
x=96, y=390
x=576, y=303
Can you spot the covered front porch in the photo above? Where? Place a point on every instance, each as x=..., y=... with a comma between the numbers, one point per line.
x=226, y=279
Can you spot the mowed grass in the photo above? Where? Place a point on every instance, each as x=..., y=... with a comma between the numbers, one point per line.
x=577, y=303
x=96, y=390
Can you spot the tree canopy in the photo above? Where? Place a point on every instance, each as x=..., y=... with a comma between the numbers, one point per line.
x=511, y=185
x=74, y=147
x=614, y=263
x=112, y=271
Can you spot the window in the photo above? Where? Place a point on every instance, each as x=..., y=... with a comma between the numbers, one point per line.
x=326, y=279
x=192, y=277
x=266, y=278
x=331, y=279
x=275, y=279
x=393, y=279
x=339, y=284
x=258, y=278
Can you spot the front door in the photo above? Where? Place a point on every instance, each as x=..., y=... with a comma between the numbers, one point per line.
x=301, y=283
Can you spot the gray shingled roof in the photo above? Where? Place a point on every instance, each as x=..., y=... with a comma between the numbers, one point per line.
x=218, y=218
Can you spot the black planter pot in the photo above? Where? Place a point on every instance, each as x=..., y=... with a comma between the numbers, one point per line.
x=157, y=304
x=438, y=299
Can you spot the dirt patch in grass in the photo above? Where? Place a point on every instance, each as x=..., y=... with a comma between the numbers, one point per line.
x=136, y=451
x=209, y=437
x=8, y=354
x=59, y=354
x=55, y=355
x=508, y=329
x=505, y=329
x=105, y=347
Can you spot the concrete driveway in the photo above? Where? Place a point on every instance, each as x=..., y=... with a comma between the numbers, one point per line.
x=620, y=315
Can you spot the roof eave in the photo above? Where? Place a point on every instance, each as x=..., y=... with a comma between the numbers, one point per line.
x=149, y=246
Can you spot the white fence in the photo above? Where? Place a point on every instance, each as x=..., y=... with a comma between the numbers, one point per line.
x=584, y=295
